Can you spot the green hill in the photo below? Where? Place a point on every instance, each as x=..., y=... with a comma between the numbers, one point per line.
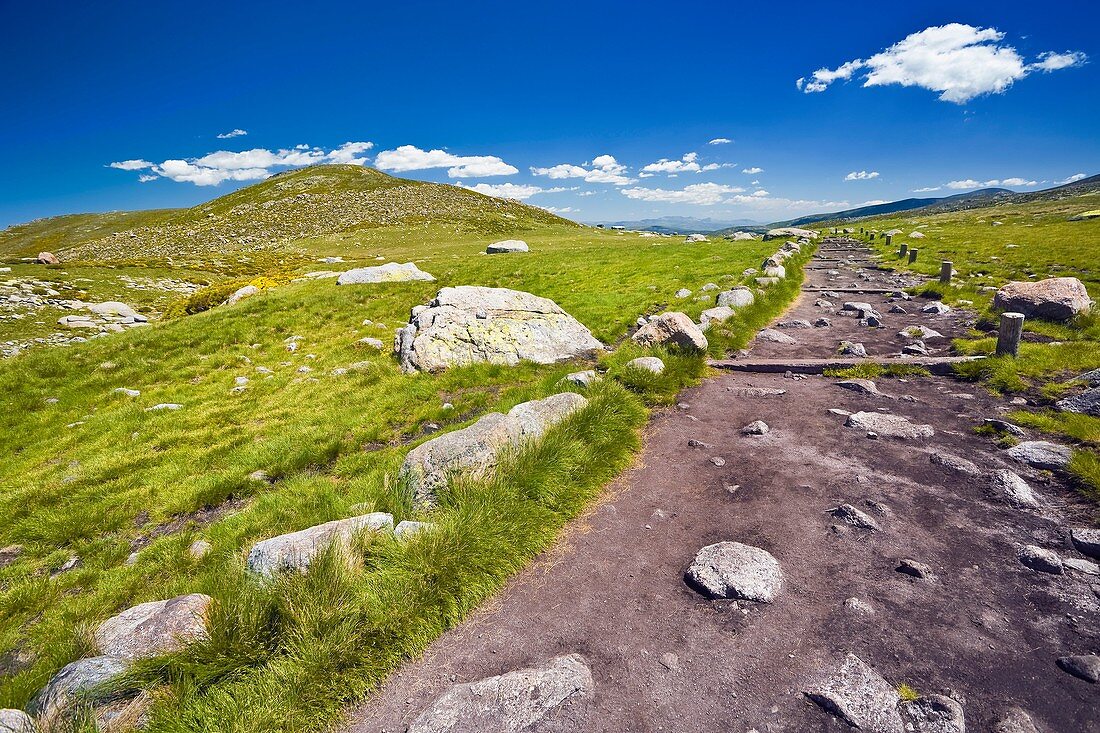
x=272, y=216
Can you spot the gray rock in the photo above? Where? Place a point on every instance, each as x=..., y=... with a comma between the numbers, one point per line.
x=1091, y=378
x=1080, y=565
x=647, y=364
x=757, y=427
x=773, y=336
x=372, y=343
x=296, y=550
x=47, y=258
x=859, y=696
x=72, y=684
x=1056, y=298
x=1015, y=720
x=1010, y=486
x=718, y=314
x=895, y=308
x=894, y=426
x=859, y=606
x=241, y=293
x=683, y=293
x=822, y=323
x=475, y=449
x=916, y=569
x=671, y=329
x=559, y=689
x=734, y=570
x=919, y=333
x=199, y=549
x=506, y=246
x=708, y=288
x=862, y=309
x=391, y=272
x=756, y=391
x=936, y=307
x=1083, y=666
x=1041, y=454
x=850, y=348
x=111, y=308
x=16, y=721
x=1041, y=560
x=1086, y=540
x=1003, y=426
x=583, y=379
x=935, y=714
x=861, y=386
x=916, y=348
x=154, y=628
x=1086, y=403
x=855, y=517
x=406, y=529
x=738, y=297
x=775, y=271
x=955, y=464
x=470, y=324
x=691, y=238
x=795, y=323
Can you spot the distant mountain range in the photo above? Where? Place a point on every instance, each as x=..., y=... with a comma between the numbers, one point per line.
x=680, y=224
x=969, y=200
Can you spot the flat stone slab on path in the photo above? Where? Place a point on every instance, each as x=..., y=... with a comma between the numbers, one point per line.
x=735, y=570
x=859, y=696
x=515, y=702
x=894, y=426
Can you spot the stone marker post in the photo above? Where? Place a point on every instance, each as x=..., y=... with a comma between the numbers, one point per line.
x=1008, y=338
x=904, y=248
x=945, y=271
x=889, y=239
x=913, y=256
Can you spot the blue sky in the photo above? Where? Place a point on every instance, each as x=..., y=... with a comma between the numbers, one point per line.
x=564, y=104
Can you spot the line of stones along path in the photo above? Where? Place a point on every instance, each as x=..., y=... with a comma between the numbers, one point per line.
x=886, y=544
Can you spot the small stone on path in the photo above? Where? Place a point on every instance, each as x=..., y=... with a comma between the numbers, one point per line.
x=1082, y=666
x=775, y=337
x=1086, y=540
x=1040, y=559
x=1009, y=485
x=855, y=517
x=894, y=426
x=850, y=348
x=734, y=570
x=1015, y=720
x=956, y=464
x=757, y=427
x=935, y=714
x=862, y=386
x=916, y=569
x=1041, y=454
x=859, y=696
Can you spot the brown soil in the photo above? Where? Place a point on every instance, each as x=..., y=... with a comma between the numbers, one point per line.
x=987, y=631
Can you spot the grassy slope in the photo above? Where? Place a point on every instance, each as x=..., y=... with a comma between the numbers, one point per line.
x=95, y=476
x=1048, y=244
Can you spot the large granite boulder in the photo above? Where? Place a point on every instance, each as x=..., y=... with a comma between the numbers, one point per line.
x=47, y=258
x=859, y=696
x=391, y=272
x=508, y=245
x=784, y=232
x=1041, y=454
x=476, y=449
x=470, y=324
x=154, y=628
x=16, y=721
x=718, y=314
x=296, y=550
x=894, y=426
x=559, y=690
x=1056, y=298
x=1086, y=403
x=112, y=308
x=672, y=329
x=74, y=682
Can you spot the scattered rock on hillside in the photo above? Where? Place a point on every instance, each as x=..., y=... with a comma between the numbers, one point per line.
x=1082, y=666
x=894, y=426
x=757, y=427
x=1041, y=454
x=695, y=238
x=1042, y=560
x=863, y=310
x=934, y=714
x=506, y=246
x=391, y=272
x=671, y=329
x=47, y=258
x=406, y=529
x=154, y=628
x=1086, y=540
x=560, y=689
x=16, y=721
x=859, y=696
x=583, y=379
x=937, y=308
x=241, y=293
x=199, y=549
x=470, y=324
x=862, y=386
x=1086, y=403
x=734, y=570
x=683, y=293
x=296, y=550
x=855, y=517
x=647, y=364
x=70, y=684
x=475, y=449
x=1056, y=298
x=1010, y=486
x=1015, y=720
x=795, y=323
x=717, y=314
x=915, y=569
x=851, y=348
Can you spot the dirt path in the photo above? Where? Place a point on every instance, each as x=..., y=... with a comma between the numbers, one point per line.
x=986, y=631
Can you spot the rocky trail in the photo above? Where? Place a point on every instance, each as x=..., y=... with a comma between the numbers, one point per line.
x=860, y=539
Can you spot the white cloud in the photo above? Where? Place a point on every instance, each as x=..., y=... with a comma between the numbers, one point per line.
x=698, y=194
x=131, y=165
x=720, y=141
x=687, y=164
x=964, y=183
x=753, y=171
x=412, y=158
x=562, y=210
x=1018, y=182
x=1072, y=179
x=971, y=183
x=602, y=169
x=861, y=175
x=959, y=61
x=512, y=190
x=926, y=189
x=246, y=165
x=238, y=132
x=873, y=202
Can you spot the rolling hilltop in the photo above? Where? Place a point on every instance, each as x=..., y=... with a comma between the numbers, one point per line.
x=272, y=215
